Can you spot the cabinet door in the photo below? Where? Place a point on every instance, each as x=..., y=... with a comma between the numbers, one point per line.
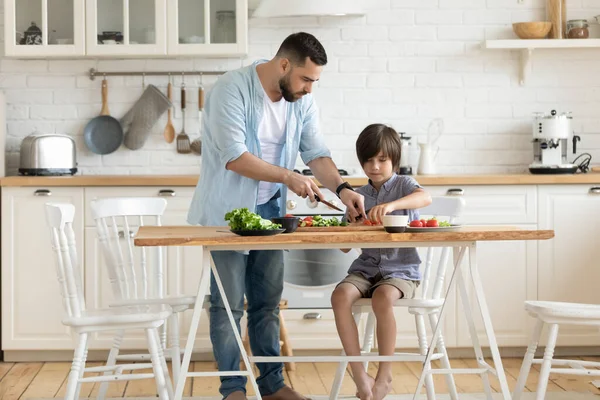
x=568, y=264
x=508, y=272
x=126, y=27
x=208, y=27
x=32, y=308
x=44, y=28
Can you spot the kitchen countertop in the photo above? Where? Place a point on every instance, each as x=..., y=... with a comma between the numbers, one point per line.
x=191, y=180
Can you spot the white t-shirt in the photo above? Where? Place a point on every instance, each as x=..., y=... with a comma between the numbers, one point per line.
x=271, y=134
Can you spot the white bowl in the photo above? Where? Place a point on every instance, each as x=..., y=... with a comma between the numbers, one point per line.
x=395, y=220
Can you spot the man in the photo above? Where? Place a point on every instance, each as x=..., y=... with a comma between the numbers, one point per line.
x=257, y=119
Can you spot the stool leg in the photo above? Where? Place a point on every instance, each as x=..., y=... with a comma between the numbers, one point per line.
x=547, y=363
x=286, y=348
x=528, y=360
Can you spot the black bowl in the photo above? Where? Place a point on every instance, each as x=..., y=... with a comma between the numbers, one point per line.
x=395, y=229
x=290, y=224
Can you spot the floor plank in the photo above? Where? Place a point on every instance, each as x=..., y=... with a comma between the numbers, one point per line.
x=19, y=381
x=48, y=380
x=16, y=381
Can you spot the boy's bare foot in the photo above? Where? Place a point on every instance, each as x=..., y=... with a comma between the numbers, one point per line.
x=364, y=387
x=239, y=395
x=382, y=387
x=285, y=393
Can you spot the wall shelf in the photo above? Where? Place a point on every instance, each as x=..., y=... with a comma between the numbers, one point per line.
x=527, y=47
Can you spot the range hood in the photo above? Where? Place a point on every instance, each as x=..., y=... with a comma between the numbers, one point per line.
x=306, y=8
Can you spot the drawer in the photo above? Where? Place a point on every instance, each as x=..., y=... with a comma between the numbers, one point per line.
x=493, y=204
x=178, y=200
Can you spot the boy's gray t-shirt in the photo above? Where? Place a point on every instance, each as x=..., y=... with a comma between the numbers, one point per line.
x=400, y=263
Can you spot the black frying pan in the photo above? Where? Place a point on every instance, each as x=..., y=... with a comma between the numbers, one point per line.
x=103, y=134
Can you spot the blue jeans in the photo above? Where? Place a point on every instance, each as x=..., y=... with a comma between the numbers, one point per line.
x=260, y=276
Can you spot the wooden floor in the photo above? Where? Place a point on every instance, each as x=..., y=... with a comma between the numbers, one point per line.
x=45, y=380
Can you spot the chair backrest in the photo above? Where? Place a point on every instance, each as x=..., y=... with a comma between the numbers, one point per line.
x=448, y=208
x=59, y=217
x=132, y=273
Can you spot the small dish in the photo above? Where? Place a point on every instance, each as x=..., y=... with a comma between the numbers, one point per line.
x=395, y=229
x=263, y=232
x=394, y=223
x=289, y=224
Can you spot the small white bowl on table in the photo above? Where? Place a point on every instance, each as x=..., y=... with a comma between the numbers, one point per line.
x=395, y=223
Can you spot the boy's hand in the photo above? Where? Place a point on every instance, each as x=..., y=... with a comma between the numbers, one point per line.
x=355, y=204
x=376, y=214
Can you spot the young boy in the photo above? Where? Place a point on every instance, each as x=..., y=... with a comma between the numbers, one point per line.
x=385, y=275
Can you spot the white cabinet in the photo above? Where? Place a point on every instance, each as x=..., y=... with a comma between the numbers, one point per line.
x=31, y=301
x=208, y=27
x=568, y=265
x=44, y=28
x=508, y=269
x=126, y=27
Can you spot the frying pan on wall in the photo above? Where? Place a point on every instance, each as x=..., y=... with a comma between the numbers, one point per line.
x=103, y=134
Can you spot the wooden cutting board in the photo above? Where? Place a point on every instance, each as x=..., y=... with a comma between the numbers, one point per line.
x=350, y=228
x=596, y=169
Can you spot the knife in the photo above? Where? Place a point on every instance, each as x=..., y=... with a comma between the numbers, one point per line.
x=328, y=204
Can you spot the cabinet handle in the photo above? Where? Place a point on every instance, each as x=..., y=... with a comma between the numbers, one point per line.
x=122, y=234
x=455, y=192
x=166, y=193
x=595, y=190
x=312, y=315
x=42, y=192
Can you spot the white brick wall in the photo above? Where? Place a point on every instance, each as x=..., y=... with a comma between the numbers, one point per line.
x=404, y=63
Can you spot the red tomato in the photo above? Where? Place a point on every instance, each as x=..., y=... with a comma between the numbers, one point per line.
x=424, y=223
x=309, y=218
x=306, y=223
x=368, y=222
x=432, y=223
x=416, y=224
x=289, y=215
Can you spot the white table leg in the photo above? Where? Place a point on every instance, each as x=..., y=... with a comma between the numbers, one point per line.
x=468, y=310
x=198, y=306
x=487, y=321
x=438, y=328
x=238, y=338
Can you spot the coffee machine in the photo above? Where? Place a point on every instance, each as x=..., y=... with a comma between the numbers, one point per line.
x=551, y=133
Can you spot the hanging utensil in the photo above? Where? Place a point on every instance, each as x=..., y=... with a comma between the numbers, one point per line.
x=183, y=140
x=169, y=132
x=103, y=134
x=196, y=145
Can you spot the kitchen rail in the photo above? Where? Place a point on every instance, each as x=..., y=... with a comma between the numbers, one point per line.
x=94, y=73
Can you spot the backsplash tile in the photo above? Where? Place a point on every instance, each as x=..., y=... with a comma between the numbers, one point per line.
x=404, y=63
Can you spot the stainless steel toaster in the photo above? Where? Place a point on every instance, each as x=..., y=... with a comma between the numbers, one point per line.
x=47, y=155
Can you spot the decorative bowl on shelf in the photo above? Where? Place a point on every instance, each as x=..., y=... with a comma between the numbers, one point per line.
x=532, y=30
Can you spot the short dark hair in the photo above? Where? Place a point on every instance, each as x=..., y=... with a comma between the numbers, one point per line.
x=377, y=138
x=300, y=45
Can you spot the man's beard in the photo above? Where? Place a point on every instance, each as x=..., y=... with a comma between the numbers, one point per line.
x=288, y=95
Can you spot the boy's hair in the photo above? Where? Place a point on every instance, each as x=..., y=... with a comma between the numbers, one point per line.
x=300, y=45
x=377, y=138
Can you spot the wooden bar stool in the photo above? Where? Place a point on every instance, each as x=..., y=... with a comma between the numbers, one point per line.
x=284, y=339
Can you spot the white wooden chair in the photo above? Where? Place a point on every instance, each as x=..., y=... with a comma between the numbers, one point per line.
x=135, y=278
x=554, y=314
x=427, y=303
x=84, y=322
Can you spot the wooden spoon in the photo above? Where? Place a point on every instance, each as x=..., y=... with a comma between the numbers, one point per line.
x=169, y=129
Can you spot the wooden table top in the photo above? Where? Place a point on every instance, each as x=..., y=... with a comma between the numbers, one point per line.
x=216, y=237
